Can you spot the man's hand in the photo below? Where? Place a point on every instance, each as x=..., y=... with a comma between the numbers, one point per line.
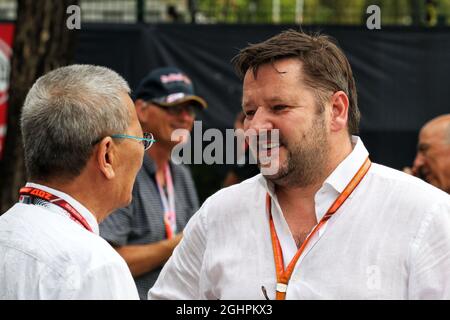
x=414, y=171
x=408, y=170
x=172, y=243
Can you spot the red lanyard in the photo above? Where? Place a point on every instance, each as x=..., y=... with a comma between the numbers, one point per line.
x=46, y=196
x=283, y=276
x=168, y=203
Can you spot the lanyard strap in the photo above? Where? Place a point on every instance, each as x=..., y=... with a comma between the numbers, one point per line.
x=168, y=203
x=283, y=276
x=48, y=197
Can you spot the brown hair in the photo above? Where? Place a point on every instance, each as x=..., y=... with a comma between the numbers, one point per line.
x=324, y=64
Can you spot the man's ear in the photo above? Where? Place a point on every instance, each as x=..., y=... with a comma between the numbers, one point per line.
x=105, y=157
x=339, y=111
x=141, y=110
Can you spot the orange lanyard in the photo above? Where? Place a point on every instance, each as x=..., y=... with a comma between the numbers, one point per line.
x=283, y=276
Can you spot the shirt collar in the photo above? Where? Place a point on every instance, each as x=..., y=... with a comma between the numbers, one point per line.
x=336, y=182
x=346, y=170
x=90, y=218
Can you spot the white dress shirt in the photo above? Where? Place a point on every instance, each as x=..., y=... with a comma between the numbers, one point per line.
x=389, y=240
x=46, y=255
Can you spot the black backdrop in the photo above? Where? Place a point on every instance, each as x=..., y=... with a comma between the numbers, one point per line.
x=402, y=75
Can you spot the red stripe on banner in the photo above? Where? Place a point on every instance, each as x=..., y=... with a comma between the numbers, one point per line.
x=6, y=40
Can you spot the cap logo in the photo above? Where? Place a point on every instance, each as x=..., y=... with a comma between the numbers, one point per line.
x=174, y=97
x=175, y=77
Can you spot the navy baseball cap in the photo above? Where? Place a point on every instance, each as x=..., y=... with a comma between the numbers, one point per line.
x=168, y=87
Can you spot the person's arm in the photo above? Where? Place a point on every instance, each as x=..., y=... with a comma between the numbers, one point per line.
x=141, y=258
x=180, y=277
x=144, y=258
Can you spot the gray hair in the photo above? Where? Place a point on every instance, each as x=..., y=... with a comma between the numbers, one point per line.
x=65, y=112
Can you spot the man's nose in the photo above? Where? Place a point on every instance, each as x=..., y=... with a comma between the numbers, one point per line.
x=418, y=161
x=260, y=121
x=186, y=114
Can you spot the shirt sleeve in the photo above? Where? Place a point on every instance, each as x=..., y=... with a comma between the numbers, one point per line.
x=430, y=256
x=117, y=226
x=180, y=277
x=112, y=281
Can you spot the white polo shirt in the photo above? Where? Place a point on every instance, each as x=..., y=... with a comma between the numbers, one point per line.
x=46, y=255
x=389, y=240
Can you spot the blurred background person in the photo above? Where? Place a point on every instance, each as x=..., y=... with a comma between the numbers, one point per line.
x=432, y=162
x=244, y=167
x=80, y=168
x=164, y=196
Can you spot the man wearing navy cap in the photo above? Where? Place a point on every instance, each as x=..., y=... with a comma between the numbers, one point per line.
x=164, y=196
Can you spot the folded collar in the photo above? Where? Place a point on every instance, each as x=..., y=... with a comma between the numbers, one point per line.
x=336, y=182
x=90, y=218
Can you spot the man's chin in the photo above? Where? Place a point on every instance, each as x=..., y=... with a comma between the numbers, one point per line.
x=182, y=140
x=270, y=164
x=273, y=172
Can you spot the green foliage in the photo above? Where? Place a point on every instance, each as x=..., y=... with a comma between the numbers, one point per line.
x=343, y=12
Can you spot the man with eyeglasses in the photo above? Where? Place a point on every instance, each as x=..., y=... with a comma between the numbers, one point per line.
x=164, y=196
x=83, y=148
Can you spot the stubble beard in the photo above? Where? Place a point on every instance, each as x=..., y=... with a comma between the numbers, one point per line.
x=306, y=160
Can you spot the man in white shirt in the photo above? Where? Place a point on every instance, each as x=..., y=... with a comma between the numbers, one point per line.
x=328, y=224
x=83, y=147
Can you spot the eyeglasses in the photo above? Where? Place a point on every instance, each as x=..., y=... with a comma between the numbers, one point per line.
x=177, y=109
x=147, y=140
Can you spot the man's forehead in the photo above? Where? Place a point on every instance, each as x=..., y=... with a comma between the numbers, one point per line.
x=432, y=137
x=440, y=123
x=433, y=130
x=285, y=66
